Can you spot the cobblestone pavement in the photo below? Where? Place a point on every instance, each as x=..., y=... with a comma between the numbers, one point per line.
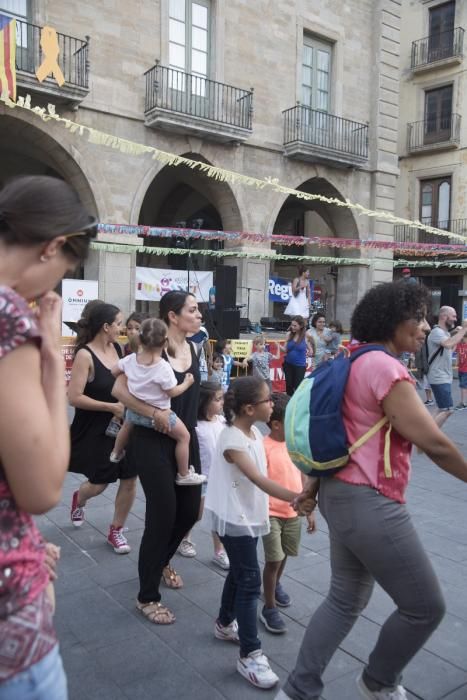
x=111, y=653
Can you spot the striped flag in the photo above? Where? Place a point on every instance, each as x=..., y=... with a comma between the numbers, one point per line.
x=8, y=56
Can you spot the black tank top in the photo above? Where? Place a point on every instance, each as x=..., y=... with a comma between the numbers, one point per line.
x=186, y=405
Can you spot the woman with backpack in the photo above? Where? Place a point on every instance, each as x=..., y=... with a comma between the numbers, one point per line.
x=371, y=533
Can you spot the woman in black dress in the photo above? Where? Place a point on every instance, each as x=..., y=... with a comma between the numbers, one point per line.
x=171, y=511
x=90, y=393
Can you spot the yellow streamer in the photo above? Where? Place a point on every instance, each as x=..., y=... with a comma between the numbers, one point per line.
x=51, y=50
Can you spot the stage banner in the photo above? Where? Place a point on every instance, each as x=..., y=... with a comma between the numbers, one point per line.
x=280, y=289
x=152, y=283
x=75, y=296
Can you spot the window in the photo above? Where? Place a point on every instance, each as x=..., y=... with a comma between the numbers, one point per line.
x=438, y=115
x=316, y=74
x=441, y=34
x=189, y=38
x=435, y=202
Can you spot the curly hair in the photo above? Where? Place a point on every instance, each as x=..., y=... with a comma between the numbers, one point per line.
x=384, y=307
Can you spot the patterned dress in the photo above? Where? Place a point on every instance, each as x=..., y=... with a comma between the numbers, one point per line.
x=26, y=628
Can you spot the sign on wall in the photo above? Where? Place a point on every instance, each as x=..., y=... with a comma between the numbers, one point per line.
x=153, y=283
x=75, y=296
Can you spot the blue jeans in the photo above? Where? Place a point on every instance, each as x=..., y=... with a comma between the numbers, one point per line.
x=45, y=680
x=241, y=591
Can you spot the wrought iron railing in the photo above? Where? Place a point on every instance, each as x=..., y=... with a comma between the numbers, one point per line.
x=437, y=130
x=185, y=93
x=326, y=131
x=72, y=59
x=408, y=234
x=437, y=47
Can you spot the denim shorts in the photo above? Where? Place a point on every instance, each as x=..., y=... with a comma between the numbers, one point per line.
x=45, y=680
x=146, y=422
x=443, y=396
x=463, y=380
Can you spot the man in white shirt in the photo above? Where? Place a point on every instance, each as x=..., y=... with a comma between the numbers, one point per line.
x=440, y=348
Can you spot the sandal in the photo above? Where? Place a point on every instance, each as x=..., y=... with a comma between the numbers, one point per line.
x=156, y=613
x=171, y=578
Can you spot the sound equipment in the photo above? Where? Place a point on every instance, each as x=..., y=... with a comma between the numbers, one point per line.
x=223, y=323
x=226, y=287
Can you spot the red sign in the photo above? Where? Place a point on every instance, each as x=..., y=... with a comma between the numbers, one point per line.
x=68, y=350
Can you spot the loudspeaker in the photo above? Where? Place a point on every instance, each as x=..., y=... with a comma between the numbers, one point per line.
x=223, y=323
x=226, y=287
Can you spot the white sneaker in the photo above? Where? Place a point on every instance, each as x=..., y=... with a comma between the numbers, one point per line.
x=186, y=549
x=383, y=694
x=221, y=559
x=229, y=633
x=191, y=479
x=256, y=669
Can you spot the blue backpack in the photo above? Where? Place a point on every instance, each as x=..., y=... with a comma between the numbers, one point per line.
x=314, y=428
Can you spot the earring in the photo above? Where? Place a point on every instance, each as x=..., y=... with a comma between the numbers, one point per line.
x=43, y=258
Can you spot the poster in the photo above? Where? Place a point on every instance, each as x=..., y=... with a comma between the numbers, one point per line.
x=280, y=289
x=152, y=283
x=75, y=296
x=241, y=348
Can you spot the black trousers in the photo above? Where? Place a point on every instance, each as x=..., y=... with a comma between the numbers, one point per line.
x=293, y=376
x=171, y=511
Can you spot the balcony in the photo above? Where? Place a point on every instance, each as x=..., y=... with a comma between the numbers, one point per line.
x=320, y=137
x=186, y=103
x=73, y=61
x=435, y=134
x=408, y=234
x=438, y=50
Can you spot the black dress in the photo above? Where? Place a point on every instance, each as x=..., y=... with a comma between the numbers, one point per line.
x=171, y=510
x=90, y=446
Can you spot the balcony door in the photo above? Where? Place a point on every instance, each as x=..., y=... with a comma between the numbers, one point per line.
x=19, y=9
x=435, y=206
x=441, y=33
x=189, y=40
x=316, y=91
x=438, y=115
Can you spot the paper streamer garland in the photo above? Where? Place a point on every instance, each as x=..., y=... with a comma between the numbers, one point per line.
x=131, y=148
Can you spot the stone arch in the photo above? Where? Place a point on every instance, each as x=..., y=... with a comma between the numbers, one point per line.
x=339, y=285
x=27, y=149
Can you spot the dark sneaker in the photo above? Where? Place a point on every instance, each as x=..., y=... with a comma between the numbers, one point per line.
x=282, y=598
x=429, y=402
x=272, y=620
x=77, y=511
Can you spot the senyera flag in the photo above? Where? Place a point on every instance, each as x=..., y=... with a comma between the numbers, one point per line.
x=8, y=56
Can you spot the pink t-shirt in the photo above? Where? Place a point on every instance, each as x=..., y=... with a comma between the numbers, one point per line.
x=149, y=383
x=372, y=377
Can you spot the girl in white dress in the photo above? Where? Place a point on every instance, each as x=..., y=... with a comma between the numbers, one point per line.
x=299, y=303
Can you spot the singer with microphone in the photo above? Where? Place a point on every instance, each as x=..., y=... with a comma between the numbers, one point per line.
x=299, y=303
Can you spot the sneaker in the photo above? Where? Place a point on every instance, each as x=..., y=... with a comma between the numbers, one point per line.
x=281, y=695
x=429, y=402
x=191, y=479
x=77, y=511
x=221, y=559
x=186, y=549
x=272, y=620
x=461, y=406
x=397, y=693
x=117, y=457
x=256, y=669
x=282, y=598
x=117, y=540
x=229, y=633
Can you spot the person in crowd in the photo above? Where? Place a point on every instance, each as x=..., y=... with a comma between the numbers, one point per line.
x=152, y=379
x=296, y=348
x=211, y=423
x=260, y=359
x=133, y=327
x=283, y=539
x=335, y=344
x=441, y=345
x=321, y=338
x=96, y=413
x=237, y=509
x=204, y=350
x=44, y=233
x=299, y=303
x=462, y=369
x=407, y=276
x=216, y=371
x=171, y=511
x=80, y=327
x=224, y=347
x=371, y=533
x=421, y=366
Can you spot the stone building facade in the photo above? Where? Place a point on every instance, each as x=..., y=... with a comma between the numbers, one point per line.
x=306, y=92
x=433, y=132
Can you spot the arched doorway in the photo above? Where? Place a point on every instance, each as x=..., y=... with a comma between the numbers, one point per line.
x=336, y=291
x=184, y=198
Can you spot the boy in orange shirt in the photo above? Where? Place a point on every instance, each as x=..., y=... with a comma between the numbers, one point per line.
x=283, y=539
